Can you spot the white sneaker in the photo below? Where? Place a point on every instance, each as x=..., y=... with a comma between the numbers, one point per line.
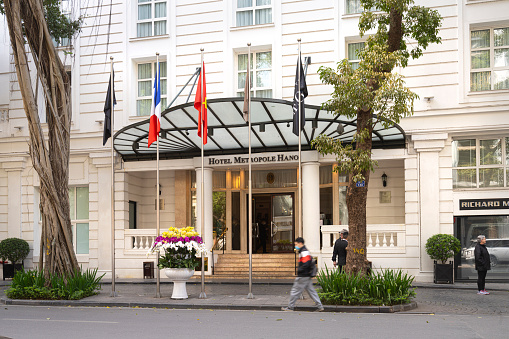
x=485, y=292
x=480, y=292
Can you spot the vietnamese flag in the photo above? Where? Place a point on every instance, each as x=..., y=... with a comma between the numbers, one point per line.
x=201, y=105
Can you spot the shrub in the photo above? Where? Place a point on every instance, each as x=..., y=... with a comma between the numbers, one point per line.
x=384, y=287
x=33, y=285
x=442, y=247
x=14, y=250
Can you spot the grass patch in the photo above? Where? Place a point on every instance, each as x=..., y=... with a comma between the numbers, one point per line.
x=384, y=287
x=33, y=285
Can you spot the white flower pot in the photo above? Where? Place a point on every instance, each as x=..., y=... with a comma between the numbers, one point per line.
x=179, y=276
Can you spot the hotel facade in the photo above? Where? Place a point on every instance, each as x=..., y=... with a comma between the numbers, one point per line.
x=446, y=167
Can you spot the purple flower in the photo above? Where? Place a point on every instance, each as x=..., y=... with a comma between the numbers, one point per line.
x=198, y=240
x=186, y=239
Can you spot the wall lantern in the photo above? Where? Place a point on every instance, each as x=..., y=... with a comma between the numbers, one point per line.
x=314, y=124
x=384, y=179
x=210, y=132
x=262, y=128
x=340, y=129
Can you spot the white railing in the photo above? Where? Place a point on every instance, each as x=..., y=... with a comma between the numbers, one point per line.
x=139, y=239
x=380, y=238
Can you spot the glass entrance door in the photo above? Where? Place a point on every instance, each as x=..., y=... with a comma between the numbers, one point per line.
x=282, y=224
x=273, y=223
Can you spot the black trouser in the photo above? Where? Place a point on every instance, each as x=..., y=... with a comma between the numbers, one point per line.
x=481, y=280
x=340, y=268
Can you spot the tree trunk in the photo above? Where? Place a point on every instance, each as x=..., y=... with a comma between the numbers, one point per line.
x=25, y=19
x=356, y=197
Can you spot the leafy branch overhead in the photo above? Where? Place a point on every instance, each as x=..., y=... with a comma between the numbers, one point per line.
x=59, y=24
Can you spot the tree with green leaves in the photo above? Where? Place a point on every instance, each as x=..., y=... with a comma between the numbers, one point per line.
x=374, y=94
x=34, y=24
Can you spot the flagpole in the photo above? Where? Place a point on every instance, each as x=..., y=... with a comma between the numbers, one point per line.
x=202, y=294
x=250, y=209
x=113, y=292
x=300, y=145
x=158, y=273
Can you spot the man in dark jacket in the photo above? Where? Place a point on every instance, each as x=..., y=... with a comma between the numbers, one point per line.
x=340, y=250
x=303, y=280
x=482, y=264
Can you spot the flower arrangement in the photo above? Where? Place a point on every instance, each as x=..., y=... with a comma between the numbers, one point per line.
x=178, y=248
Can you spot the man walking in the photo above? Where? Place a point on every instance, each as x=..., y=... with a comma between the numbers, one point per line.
x=340, y=250
x=303, y=280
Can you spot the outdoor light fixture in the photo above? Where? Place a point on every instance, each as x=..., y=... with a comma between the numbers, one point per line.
x=136, y=145
x=288, y=124
x=211, y=132
x=384, y=179
x=163, y=134
x=340, y=129
x=262, y=128
x=314, y=124
x=187, y=132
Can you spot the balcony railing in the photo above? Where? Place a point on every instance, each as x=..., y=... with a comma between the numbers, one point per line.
x=139, y=240
x=380, y=238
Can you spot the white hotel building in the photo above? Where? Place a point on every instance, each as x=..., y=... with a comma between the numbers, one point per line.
x=447, y=166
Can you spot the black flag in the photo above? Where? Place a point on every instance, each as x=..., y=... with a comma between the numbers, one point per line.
x=107, y=111
x=297, y=99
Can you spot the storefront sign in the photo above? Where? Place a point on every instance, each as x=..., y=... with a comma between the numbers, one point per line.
x=484, y=204
x=254, y=159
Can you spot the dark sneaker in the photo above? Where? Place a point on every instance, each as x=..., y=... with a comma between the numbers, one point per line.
x=319, y=309
x=287, y=309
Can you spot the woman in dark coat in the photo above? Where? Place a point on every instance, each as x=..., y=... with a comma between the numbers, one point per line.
x=482, y=264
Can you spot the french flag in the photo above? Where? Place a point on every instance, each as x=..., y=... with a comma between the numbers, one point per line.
x=155, y=116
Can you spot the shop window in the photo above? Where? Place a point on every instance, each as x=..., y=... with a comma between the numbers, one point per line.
x=326, y=208
x=151, y=18
x=325, y=175
x=235, y=179
x=236, y=221
x=496, y=230
x=274, y=178
x=343, y=210
x=253, y=12
x=353, y=53
x=489, y=59
x=145, y=82
x=219, y=219
x=480, y=163
x=79, y=204
x=261, y=74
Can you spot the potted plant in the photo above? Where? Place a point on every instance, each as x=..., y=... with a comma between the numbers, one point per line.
x=441, y=247
x=14, y=250
x=178, y=250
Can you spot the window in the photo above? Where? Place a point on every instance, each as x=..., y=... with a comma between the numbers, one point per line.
x=151, y=18
x=261, y=70
x=353, y=53
x=354, y=6
x=480, y=163
x=257, y=11
x=78, y=198
x=489, y=60
x=133, y=215
x=146, y=75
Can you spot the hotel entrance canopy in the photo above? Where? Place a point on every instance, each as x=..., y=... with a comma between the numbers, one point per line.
x=271, y=122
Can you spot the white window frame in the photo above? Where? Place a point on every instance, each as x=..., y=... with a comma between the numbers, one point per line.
x=254, y=87
x=253, y=9
x=348, y=43
x=152, y=20
x=504, y=165
x=75, y=220
x=491, y=50
x=164, y=97
x=357, y=5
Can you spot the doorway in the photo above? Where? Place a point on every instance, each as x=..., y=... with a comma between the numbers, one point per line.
x=273, y=223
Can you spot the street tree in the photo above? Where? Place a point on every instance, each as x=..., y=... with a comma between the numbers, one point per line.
x=33, y=24
x=374, y=94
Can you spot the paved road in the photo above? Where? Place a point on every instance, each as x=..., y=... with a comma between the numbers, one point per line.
x=63, y=322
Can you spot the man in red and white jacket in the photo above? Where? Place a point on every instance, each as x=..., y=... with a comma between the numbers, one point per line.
x=303, y=280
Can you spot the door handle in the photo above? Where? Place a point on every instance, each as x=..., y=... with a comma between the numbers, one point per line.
x=274, y=228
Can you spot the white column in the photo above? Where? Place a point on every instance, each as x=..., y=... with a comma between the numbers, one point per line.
x=311, y=205
x=207, y=199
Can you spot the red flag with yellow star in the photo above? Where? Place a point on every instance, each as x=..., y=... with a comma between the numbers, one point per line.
x=200, y=103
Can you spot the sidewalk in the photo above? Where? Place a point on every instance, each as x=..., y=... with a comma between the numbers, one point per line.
x=225, y=294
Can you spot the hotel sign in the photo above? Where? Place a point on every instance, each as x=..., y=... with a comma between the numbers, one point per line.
x=256, y=159
x=484, y=204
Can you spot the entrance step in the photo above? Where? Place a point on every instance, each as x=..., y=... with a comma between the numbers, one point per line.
x=264, y=266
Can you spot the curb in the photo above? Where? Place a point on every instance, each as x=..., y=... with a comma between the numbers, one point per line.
x=327, y=308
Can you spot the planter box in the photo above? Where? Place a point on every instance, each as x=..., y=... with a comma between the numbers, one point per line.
x=10, y=269
x=443, y=273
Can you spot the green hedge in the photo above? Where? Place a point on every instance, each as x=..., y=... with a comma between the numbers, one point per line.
x=32, y=285
x=384, y=287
